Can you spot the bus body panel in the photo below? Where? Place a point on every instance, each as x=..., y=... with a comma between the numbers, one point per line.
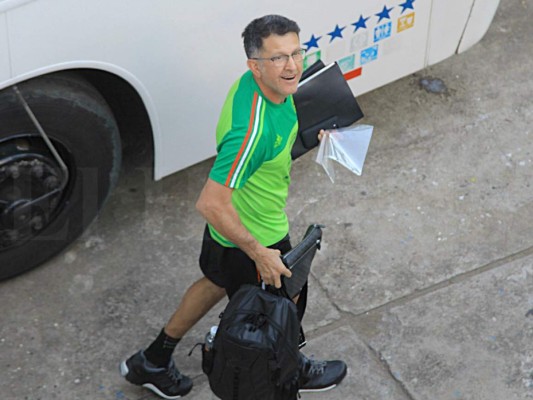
x=478, y=24
x=448, y=20
x=183, y=58
x=5, y=72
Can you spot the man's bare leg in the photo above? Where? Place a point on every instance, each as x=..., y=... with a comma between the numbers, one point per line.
x=201, y=296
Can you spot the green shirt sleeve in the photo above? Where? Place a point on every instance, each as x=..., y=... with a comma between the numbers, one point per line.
x=239, y=156
x=241, y=149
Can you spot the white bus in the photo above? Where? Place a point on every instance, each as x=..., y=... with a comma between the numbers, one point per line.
x=79, y=77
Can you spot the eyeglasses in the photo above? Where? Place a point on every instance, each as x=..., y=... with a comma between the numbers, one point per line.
x=282, y=60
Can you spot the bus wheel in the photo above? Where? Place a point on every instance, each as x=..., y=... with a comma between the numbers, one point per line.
x=44, y=205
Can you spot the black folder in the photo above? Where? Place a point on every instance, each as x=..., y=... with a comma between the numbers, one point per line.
x=299, y=260
x=323, y=101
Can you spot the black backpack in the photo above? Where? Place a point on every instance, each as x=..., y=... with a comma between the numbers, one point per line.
x=255, y=354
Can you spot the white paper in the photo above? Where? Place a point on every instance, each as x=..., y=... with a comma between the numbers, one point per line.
x=347, y=146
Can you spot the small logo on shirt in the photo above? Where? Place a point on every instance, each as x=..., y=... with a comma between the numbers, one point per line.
x=278, y=141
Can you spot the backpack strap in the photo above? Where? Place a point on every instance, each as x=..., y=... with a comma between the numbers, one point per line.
x=300, y=306
x=236, y=374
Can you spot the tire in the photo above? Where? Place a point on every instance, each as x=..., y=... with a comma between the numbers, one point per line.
x=83, y=130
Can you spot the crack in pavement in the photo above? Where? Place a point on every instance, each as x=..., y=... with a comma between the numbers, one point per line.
x=383, y=362
x=462, y=277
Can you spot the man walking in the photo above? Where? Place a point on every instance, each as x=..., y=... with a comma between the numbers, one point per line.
x=243, y=202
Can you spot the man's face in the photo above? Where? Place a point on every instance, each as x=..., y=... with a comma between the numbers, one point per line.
x=278, y=82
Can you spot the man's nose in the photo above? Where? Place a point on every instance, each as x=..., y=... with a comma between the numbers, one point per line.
x=291, y=64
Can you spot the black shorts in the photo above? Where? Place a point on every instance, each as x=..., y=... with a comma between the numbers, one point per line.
x=230, y=267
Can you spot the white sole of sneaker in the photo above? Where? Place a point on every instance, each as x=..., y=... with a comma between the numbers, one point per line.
x=124, y=371
x=158, y=392
x=317, y=390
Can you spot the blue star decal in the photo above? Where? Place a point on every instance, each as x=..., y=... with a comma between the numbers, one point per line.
x=361, y=23
x=313, y=42
x=407, y=5
x=384, y=13
x=336, y=33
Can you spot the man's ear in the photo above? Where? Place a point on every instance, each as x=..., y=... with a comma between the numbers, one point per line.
x=253, y=65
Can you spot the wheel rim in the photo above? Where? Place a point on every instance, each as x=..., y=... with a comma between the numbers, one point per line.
x=31, y=188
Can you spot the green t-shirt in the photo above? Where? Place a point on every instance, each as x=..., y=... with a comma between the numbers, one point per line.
x=254, y=141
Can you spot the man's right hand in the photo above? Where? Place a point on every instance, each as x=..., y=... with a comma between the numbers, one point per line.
x=269, y=265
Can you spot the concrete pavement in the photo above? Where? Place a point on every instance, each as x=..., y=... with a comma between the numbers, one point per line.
x=424, y=283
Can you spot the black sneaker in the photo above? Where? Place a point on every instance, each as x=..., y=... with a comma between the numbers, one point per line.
x=319, y=376
x=165, y=382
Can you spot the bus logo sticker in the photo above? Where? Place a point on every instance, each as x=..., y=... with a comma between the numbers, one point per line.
x=347, y=64
x=406, y=22
x=353, y=74
x=336, y=33
x=370, y=54
x=310, y=59
x=382, y=31
x=361, y=23
x=408, y=5
x=335, y=51
x=358, y=42
x=362, y=44
x=313, y=42
x=385, y=13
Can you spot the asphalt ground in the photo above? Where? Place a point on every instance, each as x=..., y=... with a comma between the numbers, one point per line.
x=424, y=284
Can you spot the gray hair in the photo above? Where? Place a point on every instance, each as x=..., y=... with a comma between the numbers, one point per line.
x=261, y=28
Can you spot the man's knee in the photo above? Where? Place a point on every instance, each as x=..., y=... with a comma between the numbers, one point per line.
x=211, y=287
